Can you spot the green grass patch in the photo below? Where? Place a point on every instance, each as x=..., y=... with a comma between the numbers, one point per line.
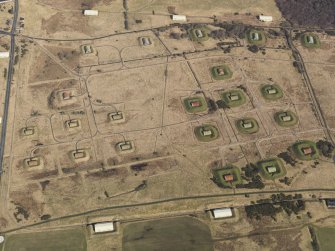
x=247, y=125
x=269, y=164
x=177, y=234
x=256, y=37
x=220, y=174
x=221, y=72
x=206, y=133
x=301, y=150
x=271, y=92
x=325, y=238
x=195, y=109
x=69, y=240
x=233, y=98
x=198, y=34
x=310, y=40
x=286, y=118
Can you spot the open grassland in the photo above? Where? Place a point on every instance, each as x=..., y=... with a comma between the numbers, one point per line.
x=325, y=238
x=69, y=240
x=168, y=234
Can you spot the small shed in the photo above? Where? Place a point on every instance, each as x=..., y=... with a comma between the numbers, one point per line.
x=103, y=227
x=91, y=12
x=222, y=213
x=264, y=18
x=179, y=18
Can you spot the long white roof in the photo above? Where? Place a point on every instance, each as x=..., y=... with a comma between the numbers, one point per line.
x=103, y=227
x=4, y=54
x=91, y=12
x=222, y=212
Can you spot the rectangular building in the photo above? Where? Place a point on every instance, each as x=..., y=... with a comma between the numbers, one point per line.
x=103, y=227
x=91, y=12
x=265, y=18
x=179, y=18
x=219, y=213
x=4, y=54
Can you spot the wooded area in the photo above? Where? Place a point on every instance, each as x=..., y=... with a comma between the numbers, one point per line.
x=308, y=12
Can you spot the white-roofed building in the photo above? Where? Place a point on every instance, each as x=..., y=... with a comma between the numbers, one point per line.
x=102, y=227
x=179, y=18
x=222, y=213
x=4, y=54
x=91, y=12
x=264, y=18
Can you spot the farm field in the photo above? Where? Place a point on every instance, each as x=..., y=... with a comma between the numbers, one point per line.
x=71, y=240
x=177, y=234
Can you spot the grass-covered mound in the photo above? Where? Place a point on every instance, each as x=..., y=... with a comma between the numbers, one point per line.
x=195, y=104
x=221, y=72
x=233, y=98
x=228, y=176
x=256, y=37
x=206, y=133
x=286, y=118
x=305, y=150
x=247, y=125
x=272, y=168
x=271, y=92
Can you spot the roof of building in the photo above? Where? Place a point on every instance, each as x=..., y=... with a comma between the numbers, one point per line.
x=103, y=227
x=179, y=18
x=222, y=212
x=91, y=12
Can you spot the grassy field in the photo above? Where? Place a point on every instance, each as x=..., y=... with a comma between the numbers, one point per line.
x=175, y=234
x=325, y=237
x=298, y=146
x=69, y=240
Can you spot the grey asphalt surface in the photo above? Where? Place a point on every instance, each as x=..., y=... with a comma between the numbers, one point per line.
x=8, y=83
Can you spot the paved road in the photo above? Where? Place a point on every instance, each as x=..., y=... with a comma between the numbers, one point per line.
x=8, y=84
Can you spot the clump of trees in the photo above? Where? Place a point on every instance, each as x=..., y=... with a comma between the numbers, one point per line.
x=251, y=174
x=274, y=205
x=326, y=148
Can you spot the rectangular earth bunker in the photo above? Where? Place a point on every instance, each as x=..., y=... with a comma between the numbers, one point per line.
x=125, y=147
x=228, y=176
x=221, y=72
x=87, y=49
x=195, y=104
x=145, y=41
x=33, y=162
x=116, y=117
x=28, y=131
x=79, y=155
x=72, y=123
x=272, y=168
